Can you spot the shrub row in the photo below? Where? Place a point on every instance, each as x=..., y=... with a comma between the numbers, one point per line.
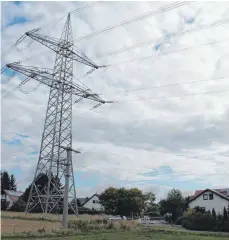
x=194, y=220
x=101, y=224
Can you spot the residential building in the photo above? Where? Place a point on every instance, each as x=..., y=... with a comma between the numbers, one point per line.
x=11, y=196
x=93, y=203
x=209, y=199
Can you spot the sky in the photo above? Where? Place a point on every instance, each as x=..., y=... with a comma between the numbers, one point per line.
x=178, y=140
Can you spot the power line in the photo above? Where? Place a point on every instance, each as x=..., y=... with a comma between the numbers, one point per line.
x=167, y=53
x=167, y=97
x=136, y=19
x=141, y=17
x=75, y=10
x=170, y=85
x=59, y=19
x=148, y=42
x=145, y=57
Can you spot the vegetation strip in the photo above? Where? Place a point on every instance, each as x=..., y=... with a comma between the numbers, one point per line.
x=149, y=230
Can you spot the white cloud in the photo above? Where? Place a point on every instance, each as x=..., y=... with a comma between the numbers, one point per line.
x=187, y=134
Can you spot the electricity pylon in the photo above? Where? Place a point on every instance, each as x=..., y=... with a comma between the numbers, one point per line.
x=58, y=122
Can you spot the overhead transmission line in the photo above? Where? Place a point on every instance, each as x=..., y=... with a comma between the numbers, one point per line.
x=136, y=19
x=89, y=5
x=212, y=24
x=167, y=53
x=176, y=34
x=167, y=97
x=49, y=23
x=170, y=85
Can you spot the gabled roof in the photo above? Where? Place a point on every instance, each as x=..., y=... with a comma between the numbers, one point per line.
x=223, y=191
x=97, y=195
x=13, y=195
x=82, y=200
x=210, y=190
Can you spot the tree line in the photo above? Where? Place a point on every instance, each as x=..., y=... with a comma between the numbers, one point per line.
x=8, y=182
x=116, y=201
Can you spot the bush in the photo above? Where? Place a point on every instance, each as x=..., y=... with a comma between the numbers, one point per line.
x=193, y=220
x=154, y=214
x=179, y=220
x=18, y=206
x=4, y=205
x=168, y=217
x=225, y=226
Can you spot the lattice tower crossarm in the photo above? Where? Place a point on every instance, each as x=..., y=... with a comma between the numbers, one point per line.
x=45, y=76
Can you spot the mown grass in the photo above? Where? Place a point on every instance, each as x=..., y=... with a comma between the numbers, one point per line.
x=120, y=235
x=94, y=227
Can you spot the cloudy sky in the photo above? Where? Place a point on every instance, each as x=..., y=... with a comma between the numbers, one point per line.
x=161, y=135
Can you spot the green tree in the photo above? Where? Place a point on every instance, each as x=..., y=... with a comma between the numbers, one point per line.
x=122, y=201
x=5, y=181
x=109, y=200
x=214, y=216
x=153, y=210
x=13, y=185
x=163, y=207
x=186, y=202
x=150, y=196
x=174, y=204
x=225, y=216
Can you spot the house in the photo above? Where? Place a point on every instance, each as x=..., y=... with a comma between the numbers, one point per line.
x=11, y=196
x=92, y=203
x=209, y=199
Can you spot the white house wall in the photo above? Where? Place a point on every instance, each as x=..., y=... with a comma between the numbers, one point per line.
x=91, y=205
x=217, y=203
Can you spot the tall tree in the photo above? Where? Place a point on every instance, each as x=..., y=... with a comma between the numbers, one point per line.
x=214, y=216
x=174, y=204
x=225, y=216
x=163, y=207
x=5, y=181
x=13, y=185
x=122, y=201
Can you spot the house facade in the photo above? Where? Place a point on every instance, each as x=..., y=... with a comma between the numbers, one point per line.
x=11, y=196
x=93, y=203
x=209, y=199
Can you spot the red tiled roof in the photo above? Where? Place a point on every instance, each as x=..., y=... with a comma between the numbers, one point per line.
x=13, y=198
x=222, y=191
x=213, y=191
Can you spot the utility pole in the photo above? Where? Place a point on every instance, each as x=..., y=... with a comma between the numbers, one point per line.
x=66, y=190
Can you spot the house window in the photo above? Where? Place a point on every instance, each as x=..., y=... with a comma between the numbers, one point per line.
x=205, y=197
x=95, y=201
x=211, y=196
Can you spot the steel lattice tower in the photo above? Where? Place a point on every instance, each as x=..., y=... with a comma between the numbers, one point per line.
x=57, y=131
x=58, y=122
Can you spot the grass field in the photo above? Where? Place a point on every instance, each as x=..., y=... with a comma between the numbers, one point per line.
x=128, y=236
x=16, y=226
x=51, y=217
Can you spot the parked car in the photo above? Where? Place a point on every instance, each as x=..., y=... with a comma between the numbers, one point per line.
x=117, y=217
